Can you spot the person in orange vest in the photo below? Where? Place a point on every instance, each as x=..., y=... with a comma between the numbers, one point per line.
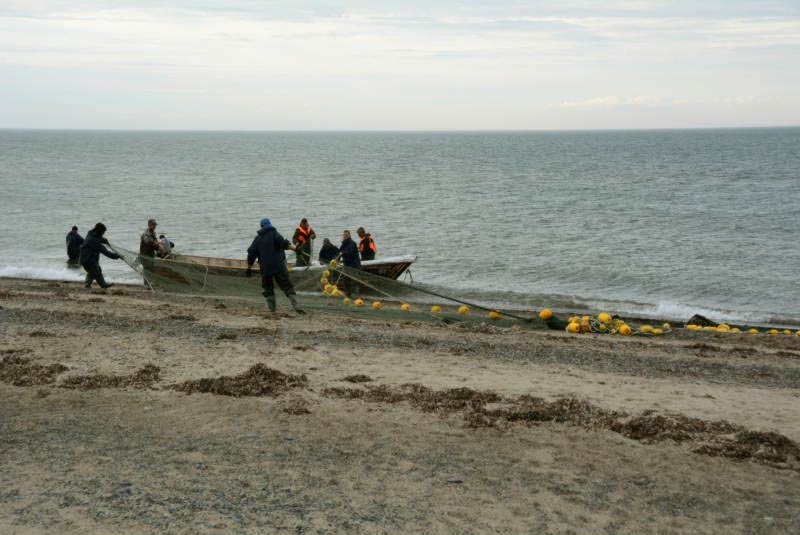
x=302, y=241
x=366, y=246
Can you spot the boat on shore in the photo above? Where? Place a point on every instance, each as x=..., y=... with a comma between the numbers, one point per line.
x=202, y=274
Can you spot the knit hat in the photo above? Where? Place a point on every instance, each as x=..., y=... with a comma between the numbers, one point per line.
x=265, y=223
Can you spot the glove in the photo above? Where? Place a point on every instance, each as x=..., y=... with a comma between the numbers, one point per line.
x=249, y=272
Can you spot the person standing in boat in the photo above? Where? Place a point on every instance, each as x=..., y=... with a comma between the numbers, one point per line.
x=93, y=246
x=302, y=242
x=148, y=243
x=269, y=248
x=328, y=252
x=350, y=259
x=366, y=246
x=74, y=242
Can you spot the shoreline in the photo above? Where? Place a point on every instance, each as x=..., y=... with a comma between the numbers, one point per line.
x=127, y=411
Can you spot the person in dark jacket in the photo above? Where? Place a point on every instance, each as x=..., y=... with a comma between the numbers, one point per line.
x=302, y=242
x=328, y=252
x=74, y=241
x=349, y=252
x=148, y=242
x=269, y=247
x=366, y=245
x=92, y=248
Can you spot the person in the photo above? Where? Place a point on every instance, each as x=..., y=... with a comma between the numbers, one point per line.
x=74, y=241
x=269, y=248
x=303, y=235
x=349, y=252
x=92, y=247
x=164, y=246
x=366, y=246
x=148, y=243
x=328, y=252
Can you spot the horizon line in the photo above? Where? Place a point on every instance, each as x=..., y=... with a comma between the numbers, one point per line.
x=398, y=131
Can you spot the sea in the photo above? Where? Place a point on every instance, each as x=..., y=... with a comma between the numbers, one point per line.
x=664, y=223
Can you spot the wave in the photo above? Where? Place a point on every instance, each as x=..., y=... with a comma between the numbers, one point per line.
x=31, y=272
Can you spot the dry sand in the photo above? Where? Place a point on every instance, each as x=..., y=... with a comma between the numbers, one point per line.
x=108, y=424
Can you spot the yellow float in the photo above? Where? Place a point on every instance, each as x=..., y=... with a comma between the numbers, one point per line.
x=436, y=309
x=573, y=327
x=359, y=302
x=624, y=330
x=605, y=317
x=376, y=305
x=545, y=314
x=405, y=307
x=463, y=310
x=494, y=315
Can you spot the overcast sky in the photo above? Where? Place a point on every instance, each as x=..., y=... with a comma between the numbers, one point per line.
x=418, y=65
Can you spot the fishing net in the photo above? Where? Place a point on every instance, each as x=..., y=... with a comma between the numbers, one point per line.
x=332, y=288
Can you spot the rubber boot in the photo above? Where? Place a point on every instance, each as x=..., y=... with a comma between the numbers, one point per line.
x=271, y=304
x=293, y=301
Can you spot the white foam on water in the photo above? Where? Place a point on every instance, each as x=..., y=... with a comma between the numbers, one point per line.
x=678, y=311
x=31, y=272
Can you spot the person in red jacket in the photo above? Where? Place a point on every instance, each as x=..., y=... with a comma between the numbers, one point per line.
x=366, y=246
x=302, y=241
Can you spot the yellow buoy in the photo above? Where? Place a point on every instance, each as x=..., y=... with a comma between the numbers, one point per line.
x=545, y=314
x=710, y=329
x=736, y=330
x=787, y=332
x=605, y=317
x=666, y=326
x=326, y=273
x=573, y=319
x=624, y=330
x=346, y=301
x=753, y=331
x=646, y=329
x=463, y=310
x=336, y=292
x=324, y=281
x=327, y=287
x=573, y=327
x=359, y=302
x=494, y=315
x=773, y=331
x=436, y=309
x=602, y=328
x=657, y=331
x=333, y=264
x=723, y=329
x=405, y=307
x=377, y=305
x=798, y=333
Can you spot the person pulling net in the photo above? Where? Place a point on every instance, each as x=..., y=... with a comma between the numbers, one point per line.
x=269, y=248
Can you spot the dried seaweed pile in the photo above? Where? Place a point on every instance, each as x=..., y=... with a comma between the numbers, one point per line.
x=143, y=378
x=259, y=380
x=716, y=438
x=19, y=371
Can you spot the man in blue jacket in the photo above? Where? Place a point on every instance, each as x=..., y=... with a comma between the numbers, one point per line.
x=74, y=241
x=269, y=247
x=92, y=247
x=351, y=259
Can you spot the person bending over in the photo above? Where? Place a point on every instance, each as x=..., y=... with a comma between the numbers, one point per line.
x=269, y=247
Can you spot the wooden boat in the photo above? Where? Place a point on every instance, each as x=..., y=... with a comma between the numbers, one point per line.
x=182, y=272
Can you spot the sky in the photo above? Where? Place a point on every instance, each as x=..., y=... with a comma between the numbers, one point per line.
x=408, y=65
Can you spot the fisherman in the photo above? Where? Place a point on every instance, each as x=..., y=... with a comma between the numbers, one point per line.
x=303, y=235
x=366, y=246
x=74, y=241
x=328, y=252
x=349, y=252
x=148, y=244
x=91, y=249
x=269, y=248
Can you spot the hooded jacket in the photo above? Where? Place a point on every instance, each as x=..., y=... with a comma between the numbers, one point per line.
x=74, y=242
x=269, y=248
x=92, y=248
x=349, y=251
x=328, y=252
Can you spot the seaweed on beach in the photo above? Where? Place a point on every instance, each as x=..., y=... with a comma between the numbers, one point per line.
x=357, y=378
x=19, y=371
x=143, y=378
x=259, y=380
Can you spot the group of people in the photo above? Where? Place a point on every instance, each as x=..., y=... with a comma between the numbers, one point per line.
x=268, y=247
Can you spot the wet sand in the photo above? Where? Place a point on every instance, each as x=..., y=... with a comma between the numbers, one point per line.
x=131, y=412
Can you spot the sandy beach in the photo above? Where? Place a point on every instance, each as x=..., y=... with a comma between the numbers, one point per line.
x=124, y=411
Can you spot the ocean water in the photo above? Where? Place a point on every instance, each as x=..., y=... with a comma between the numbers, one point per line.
x=667, y=223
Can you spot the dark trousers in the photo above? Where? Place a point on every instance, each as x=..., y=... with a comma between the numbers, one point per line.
x=282, y=278
x=351, y=287
x=94, y=273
